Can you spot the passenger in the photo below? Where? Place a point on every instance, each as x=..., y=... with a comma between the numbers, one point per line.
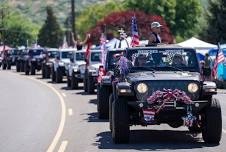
x=155, y=38
x=141, y=60
x=178, y=60
x=79, y=43
x=207, y=69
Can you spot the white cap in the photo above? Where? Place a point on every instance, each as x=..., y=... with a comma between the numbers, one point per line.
x=155, y=24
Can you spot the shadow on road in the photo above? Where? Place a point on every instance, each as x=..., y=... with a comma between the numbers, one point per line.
x=93, y=117
x=148, y=140
x=93, y=101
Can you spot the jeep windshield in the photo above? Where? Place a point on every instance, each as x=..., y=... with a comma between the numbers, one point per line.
x=53, y=54
x=66, y=54
x=35, y=52
x=95, y=56
x=80, y=56
x=162, y=59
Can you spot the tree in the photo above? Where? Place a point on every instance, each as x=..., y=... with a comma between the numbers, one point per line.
x=216, y=19
x=14, y=30
x=117, y=20
x=50, y=35
x=181, y=16
x=91, y=15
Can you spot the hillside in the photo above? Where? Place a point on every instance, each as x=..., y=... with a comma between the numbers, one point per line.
x=35, y=9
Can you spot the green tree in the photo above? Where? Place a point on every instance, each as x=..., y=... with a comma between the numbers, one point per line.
x=15, y=28
x=216, y=18
x=91, y=15
x=50, y=35
x=181, y=16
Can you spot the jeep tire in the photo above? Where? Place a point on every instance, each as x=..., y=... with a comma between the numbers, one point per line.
x=53, y=75
x=74, y=82
x=90, y=85
x=18, y=66
x=103, y=102
x=59, y=76
x=4, y=66
x=26, y=68
x=32, y=69
x=212, y=123
x=8, y=65
x=43, y=71
x=120, y=121
x=110, y=111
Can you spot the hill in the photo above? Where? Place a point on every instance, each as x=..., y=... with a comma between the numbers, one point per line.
x=36, y=9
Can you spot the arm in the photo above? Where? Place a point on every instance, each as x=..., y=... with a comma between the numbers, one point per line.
x=86, y=39
x=151, y=39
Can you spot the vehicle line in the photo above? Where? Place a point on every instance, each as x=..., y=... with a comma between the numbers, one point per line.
x=70, y=112
x=63, y=146
x=60, y=129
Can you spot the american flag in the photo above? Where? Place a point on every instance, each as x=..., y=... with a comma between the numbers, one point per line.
x=135, y=36
x=103, y=42
x=219, y=59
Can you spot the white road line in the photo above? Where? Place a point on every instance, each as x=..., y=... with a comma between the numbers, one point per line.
x=70, y=112
x=63, y=115
x=64, y=94
x=63, y=146
x=224, y=131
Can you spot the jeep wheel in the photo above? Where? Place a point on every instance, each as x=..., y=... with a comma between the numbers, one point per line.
x=90, y=85
x=9, y=65
x=47, y=72
x=212, y=123
x=110, y=111
x=4, y=66
x=53, y=75
x=120, y=121
x=26, y=69
x=32, y=69
x=59, y=76
x=22, y=67
x=74, y=82
x=17, y=66
x=103, y=103
x=43, y=71
x=85, y=84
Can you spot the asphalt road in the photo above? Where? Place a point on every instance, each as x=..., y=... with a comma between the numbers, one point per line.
x=31, y=124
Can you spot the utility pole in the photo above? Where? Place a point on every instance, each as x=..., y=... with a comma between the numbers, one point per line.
x=2, y=25
x=73, y=16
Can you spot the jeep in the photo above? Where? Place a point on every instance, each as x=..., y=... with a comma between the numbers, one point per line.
x=105, y=78
x=73, y=71
x=60, y=64
x=157, y=85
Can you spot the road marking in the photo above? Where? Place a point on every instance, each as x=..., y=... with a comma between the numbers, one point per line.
x=63, y=146
x=224, y=131
x=63, y=115
x=64, y=94
x=70, y=112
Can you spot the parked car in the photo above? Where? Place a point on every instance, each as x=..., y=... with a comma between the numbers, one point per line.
x=91, y=71
x=33, y=60
x=73, y=71
x=105, y=78
x=60, y=64
x=49, y=57
x=159, y=85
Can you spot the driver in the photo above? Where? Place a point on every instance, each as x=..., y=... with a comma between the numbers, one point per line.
x=141, y=60
x=178, y=60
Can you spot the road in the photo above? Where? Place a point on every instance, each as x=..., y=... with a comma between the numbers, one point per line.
x=31, y=113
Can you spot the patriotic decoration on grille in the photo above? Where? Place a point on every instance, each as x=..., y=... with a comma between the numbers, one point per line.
x=135, y=35
x=159, y=99
x=219, y=59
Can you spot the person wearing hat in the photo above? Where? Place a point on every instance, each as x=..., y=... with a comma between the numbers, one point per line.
x=155, y=37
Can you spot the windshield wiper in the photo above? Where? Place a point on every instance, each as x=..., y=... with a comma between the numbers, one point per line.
x=175, y=68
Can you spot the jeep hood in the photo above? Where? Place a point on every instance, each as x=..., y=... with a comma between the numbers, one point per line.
x=66, y=61
x=96, y=65
x=162, y=75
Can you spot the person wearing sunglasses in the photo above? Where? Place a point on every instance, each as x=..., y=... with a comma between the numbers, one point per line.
x=155, y=38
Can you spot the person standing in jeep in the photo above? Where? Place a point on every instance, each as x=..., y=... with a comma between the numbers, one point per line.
x=155, y=37
x=78, y=43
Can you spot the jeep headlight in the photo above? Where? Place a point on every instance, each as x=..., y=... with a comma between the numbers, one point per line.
x=61, y=63
x=193, y=87
x=142, y=88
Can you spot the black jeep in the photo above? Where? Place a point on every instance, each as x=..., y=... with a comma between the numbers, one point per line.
x=21, y=60
x=163, y=85
x=33, y=60
x=6, y=60
x=104, y=85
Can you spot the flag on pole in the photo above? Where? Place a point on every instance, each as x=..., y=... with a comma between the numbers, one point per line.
x=219, y=59
x=87, y=53
x=103, y=48
x=135, y=35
